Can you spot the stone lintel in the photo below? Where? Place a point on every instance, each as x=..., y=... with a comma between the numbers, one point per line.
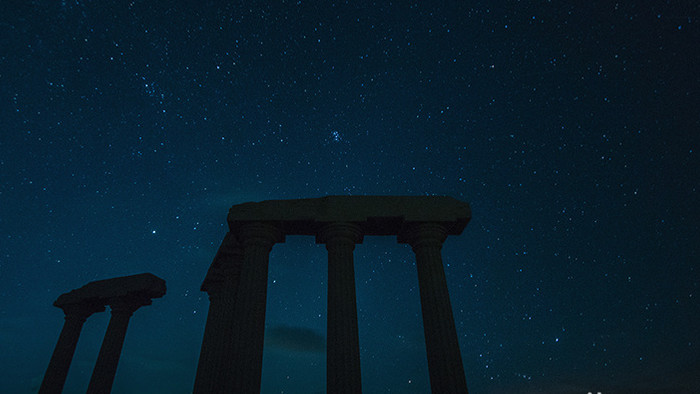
x=102, y=292
x=375, y=215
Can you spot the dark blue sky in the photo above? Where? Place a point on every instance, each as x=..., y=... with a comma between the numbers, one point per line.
x=130, y=128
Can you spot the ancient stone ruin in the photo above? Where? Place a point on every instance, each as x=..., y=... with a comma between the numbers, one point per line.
x=124, y=295
x=232, y=347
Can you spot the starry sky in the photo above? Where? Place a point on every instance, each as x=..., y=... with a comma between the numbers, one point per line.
x=129, y=128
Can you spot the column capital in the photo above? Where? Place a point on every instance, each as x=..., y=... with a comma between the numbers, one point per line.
x=340, y=230
x=260, y=234
x=127, y=305
x=423, y=234
x=81, y=310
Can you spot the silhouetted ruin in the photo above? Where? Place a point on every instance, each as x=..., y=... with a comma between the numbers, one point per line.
x=124, y=295
x=232, y=348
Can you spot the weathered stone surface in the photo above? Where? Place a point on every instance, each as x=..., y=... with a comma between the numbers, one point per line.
x=376, y=215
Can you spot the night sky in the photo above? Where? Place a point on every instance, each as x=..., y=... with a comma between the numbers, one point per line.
x=129, y=128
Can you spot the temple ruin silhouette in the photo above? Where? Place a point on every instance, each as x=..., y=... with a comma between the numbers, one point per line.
x=124, y=295
x=232, y=346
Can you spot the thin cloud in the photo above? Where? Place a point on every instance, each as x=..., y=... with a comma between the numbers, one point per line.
x=296, y=339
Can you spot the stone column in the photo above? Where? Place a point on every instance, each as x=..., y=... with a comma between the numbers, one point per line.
x=343, y=348
x=248, y=333
x=56, y=372
x=221, y=284
x=444, y=359
x=108, y=358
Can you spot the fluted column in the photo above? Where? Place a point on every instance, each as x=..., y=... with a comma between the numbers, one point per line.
x=343, y=346
x=56, y=372
x=248, y=333
x=215, y=358
x=108, y=358
x=444, y=359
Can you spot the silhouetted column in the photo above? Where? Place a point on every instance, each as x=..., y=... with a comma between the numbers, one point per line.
x=108, y=358
x=444, y=359
x=343, y=348
x=215, y=358
x=56, y=372
x=256, y=240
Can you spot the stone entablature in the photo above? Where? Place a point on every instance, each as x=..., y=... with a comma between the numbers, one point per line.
x=375, y=215
x=144, y=286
